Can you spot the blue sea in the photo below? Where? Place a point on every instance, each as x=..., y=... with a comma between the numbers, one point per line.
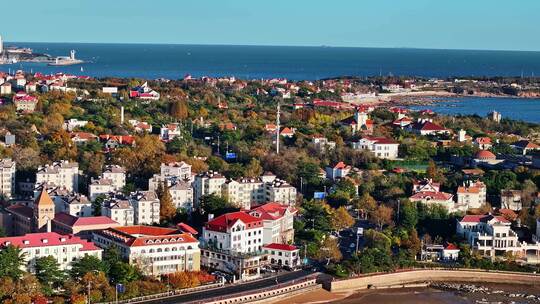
x=296, y=63
x=514, y=108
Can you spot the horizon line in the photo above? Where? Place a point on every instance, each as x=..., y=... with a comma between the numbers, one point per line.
x=282, y=45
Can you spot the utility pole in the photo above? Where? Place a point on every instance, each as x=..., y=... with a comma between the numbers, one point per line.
x=88, y=287
x=277, y=128
x=218, y=143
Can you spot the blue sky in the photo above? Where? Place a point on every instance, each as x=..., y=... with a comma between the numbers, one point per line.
x=455, y=24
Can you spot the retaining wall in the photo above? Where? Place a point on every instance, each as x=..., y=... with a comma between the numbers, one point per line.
x=431, y=275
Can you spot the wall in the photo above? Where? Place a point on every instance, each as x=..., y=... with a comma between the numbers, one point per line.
x=431, y=275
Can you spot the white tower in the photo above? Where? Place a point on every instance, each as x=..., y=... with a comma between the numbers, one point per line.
x=277, y=128
x=461, y=135
x=72, y=54
x=1, y=45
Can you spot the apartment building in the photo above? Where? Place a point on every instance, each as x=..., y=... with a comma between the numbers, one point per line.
x=7, y=177
x=471, y=195
x=155, y=250
x=62, y=173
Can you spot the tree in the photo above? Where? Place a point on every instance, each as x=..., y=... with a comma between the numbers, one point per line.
x=12, y=259
x=409, y=215
x=382, y=216
x=122, y=272
x=179, y=109
x=253, y=169
x=214, y=204
x=378, y=240
x=48, y=272
x=341, y=219
x=86, y=264
x=166, y=207
x=329, y=251
x=184, y=279
x=97, y=204
x=366, y=204
x=434, y=173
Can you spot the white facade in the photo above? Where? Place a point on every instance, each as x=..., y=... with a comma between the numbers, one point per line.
x=63, y=248
x=381, y=147
x=170, y=132
x=282, y=255
x=119, y=210
x=280, y=191
x=7, y=177
x=181, y=170
x=492, y=236
x=471, y=196
x=117, y=175
x=62, y=173
x=278, y=222
x=155, y=250
x=182, y=196
x=99, y=187
x=207, y=183
x=145, y=207
x=75, y=204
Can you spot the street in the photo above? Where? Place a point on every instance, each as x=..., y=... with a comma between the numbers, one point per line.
x=232, y=289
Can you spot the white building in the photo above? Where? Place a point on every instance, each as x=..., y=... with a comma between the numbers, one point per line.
x=119, y=210
x=207, y=183
x=170, y=131
x=382, y=147
x=74, y=204
x=471, y=195
x=430, y=198
x=145, y=207
x=116, y=174
x=340, y=170
x=280, y=191
x=322, y=143
x=155, y=250
x=182, y=196
x=283, y=255
x=62, y=173
x=278, y=222
x=233, y=243
x=101, y=186
x=73, y=123
x=244, y=191
x=181, y=170
x=65, y=249
x=7, y=177
x=511, y=199
x=492, y=236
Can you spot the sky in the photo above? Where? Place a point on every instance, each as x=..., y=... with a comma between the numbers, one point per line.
x=442, y=24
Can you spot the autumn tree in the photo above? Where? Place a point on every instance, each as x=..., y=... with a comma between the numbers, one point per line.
x=179, y=109
x=434, y=173
x=166, y=207
x=365, y=204
x=329, y=251
x=253, y=168
x=183, y=279
x=341, y=219
x=382, y=216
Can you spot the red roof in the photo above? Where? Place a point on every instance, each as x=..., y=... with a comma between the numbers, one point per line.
x=340, y=165
x=429, y=126
x=485, y=154
x=284, y=247
x=222, y=222
x=146, y=235
x=482, y=218
x=46, y=239
x=440, y=196
x=381, y=140
x=72, y=221
x=272, y=211
x=186, y=228
x=22, y=210
x=122, y=139
x=451, y=246
x=483, y=140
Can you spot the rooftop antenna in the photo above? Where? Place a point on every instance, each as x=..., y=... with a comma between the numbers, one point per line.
x=277, y=128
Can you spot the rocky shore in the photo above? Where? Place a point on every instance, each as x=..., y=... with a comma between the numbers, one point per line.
x=484, y=294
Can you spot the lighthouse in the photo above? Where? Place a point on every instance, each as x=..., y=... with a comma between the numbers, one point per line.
x=1, y=45
x=72, y=55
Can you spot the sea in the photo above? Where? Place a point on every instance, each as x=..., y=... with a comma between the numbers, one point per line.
x=515, y=108
x=174, y=61
x=296, y=63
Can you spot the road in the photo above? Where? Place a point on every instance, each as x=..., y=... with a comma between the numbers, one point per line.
x=232, y=289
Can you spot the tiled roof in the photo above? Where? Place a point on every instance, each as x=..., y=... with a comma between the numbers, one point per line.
x=47, y=239
x=147, y=235
x=440, y=196
x=482, y=218
x=222, y=222
x=72, y=221
x=284, y=247
x=271, y=211
x=44, y=199
x=21, y=210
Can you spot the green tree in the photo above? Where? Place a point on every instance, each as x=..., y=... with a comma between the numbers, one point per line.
x=86, y=264
x=409, y=215
x=12, y=259
x=214, y=204
x=253, y=169
x=48, y=273
x=97, y=204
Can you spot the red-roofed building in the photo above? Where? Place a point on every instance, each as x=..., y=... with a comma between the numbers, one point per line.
x=63, y=248
x=155, y=250
x=524, y=146
x=232, y=242
x=483, y=143
x=83, y=227
x=82, y=137
x=340, y=170
x=492, y=236
x=380, y=146
x=283, y=255
x=426, y=185
x=24, y=102
x=359, y=122
x=287, y=132
x=278, y=222
x=427, y=127
x=430, y=198
x=471, y=195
